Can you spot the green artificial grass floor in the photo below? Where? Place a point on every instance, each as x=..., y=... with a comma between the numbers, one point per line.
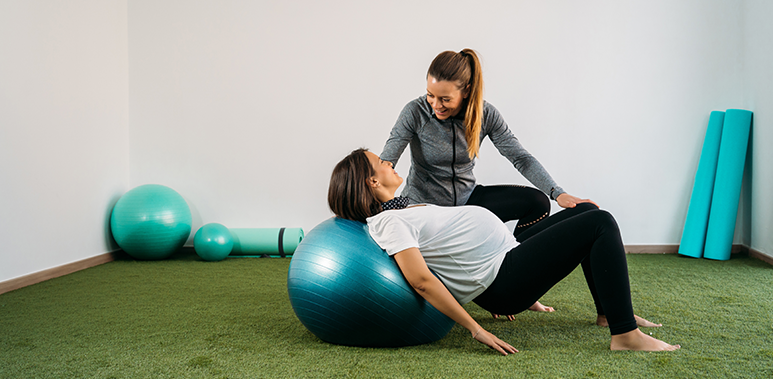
x=186, y=318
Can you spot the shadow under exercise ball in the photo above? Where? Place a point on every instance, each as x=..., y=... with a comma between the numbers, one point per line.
x=151, y=222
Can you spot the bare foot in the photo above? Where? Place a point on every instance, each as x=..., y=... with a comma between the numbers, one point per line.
x=638, y=341
x=602, y=321
x=647, y=324
x=538, y=307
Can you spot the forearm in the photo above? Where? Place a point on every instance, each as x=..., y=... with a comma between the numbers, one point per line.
x=421, y=279
x=393, y=148
x=534, y=172
x=436, y=294
x=401, y=134
x=429, y=287
x=509, y=146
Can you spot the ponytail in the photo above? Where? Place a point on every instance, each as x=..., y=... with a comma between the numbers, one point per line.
x=464, y=69
x=473, y=117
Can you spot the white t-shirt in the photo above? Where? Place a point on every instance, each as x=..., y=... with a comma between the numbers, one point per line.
x=464, y=246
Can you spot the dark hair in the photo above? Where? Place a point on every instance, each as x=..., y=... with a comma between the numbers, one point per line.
x=349, y=196
x=463, y=68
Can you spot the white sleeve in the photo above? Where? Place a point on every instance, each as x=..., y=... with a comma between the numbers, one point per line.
x=393, y=233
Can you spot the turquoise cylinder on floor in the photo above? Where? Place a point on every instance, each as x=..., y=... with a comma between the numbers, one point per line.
x=697, y=221
x=269, y=241
x=727, y=185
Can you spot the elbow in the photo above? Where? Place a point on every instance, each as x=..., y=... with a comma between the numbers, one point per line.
x=419, y=285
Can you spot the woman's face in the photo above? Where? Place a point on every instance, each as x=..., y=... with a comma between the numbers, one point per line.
x=445, y=97
x=385, y=176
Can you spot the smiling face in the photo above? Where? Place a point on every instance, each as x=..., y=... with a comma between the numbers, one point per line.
x=386, y=181
x=445, y=98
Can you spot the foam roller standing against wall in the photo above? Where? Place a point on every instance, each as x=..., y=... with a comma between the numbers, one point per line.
x=694, y=234
x=279, y=242
x=727, y=185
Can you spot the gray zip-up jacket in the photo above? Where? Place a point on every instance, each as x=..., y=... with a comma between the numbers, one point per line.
x=441, y=169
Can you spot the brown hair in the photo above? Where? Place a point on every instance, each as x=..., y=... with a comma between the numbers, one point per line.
x=349, y=196
x=463, y=68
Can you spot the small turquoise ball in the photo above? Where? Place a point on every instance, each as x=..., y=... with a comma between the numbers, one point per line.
x=213, y=242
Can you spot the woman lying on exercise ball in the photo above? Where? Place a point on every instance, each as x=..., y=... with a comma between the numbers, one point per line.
x=476, y=258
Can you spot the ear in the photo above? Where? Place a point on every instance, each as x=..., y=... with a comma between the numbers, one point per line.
x=466, y=92
x=373, y=182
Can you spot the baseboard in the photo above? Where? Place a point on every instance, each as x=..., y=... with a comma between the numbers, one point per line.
x=673, y=249
x=41, y=276
x=760, y=255
x=651, y=249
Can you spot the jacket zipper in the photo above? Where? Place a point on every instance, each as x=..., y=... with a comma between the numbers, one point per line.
x=453, y=162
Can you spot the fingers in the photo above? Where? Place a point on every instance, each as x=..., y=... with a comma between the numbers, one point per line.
x=587, y=201
x=509, y=317
x=504, y=348
x=566, y=200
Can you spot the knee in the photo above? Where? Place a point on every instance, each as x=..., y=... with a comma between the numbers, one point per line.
x=542, y=201
x=583, y=207
x=605, y=219
x=537, y=200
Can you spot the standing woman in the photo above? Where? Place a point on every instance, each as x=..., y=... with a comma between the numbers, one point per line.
x=445, y=128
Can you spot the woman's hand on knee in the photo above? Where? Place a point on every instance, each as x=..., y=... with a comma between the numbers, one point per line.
x=566, y=200
x=486, y=338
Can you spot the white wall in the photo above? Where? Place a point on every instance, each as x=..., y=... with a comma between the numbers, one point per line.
x=758, y=37
x=245, y=107
x=63, y=130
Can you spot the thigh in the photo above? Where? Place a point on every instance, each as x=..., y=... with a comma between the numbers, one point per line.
x=511, y=202
x=556, y=218
x=537, y=264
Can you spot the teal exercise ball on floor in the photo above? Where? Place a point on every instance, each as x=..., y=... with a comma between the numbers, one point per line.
x=213, y=242
x=346, y=290
x=151, y=222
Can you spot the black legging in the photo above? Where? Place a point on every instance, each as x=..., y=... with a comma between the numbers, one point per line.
x=555, y=246
x=512, y=202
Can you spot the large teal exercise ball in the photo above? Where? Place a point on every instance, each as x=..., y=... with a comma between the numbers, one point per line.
x=151, y=222
x=346, y=290
x=213, y=242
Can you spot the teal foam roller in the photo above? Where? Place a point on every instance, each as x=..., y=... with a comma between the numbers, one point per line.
x=697, y=221
x=727, y=185
x=265, y=241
